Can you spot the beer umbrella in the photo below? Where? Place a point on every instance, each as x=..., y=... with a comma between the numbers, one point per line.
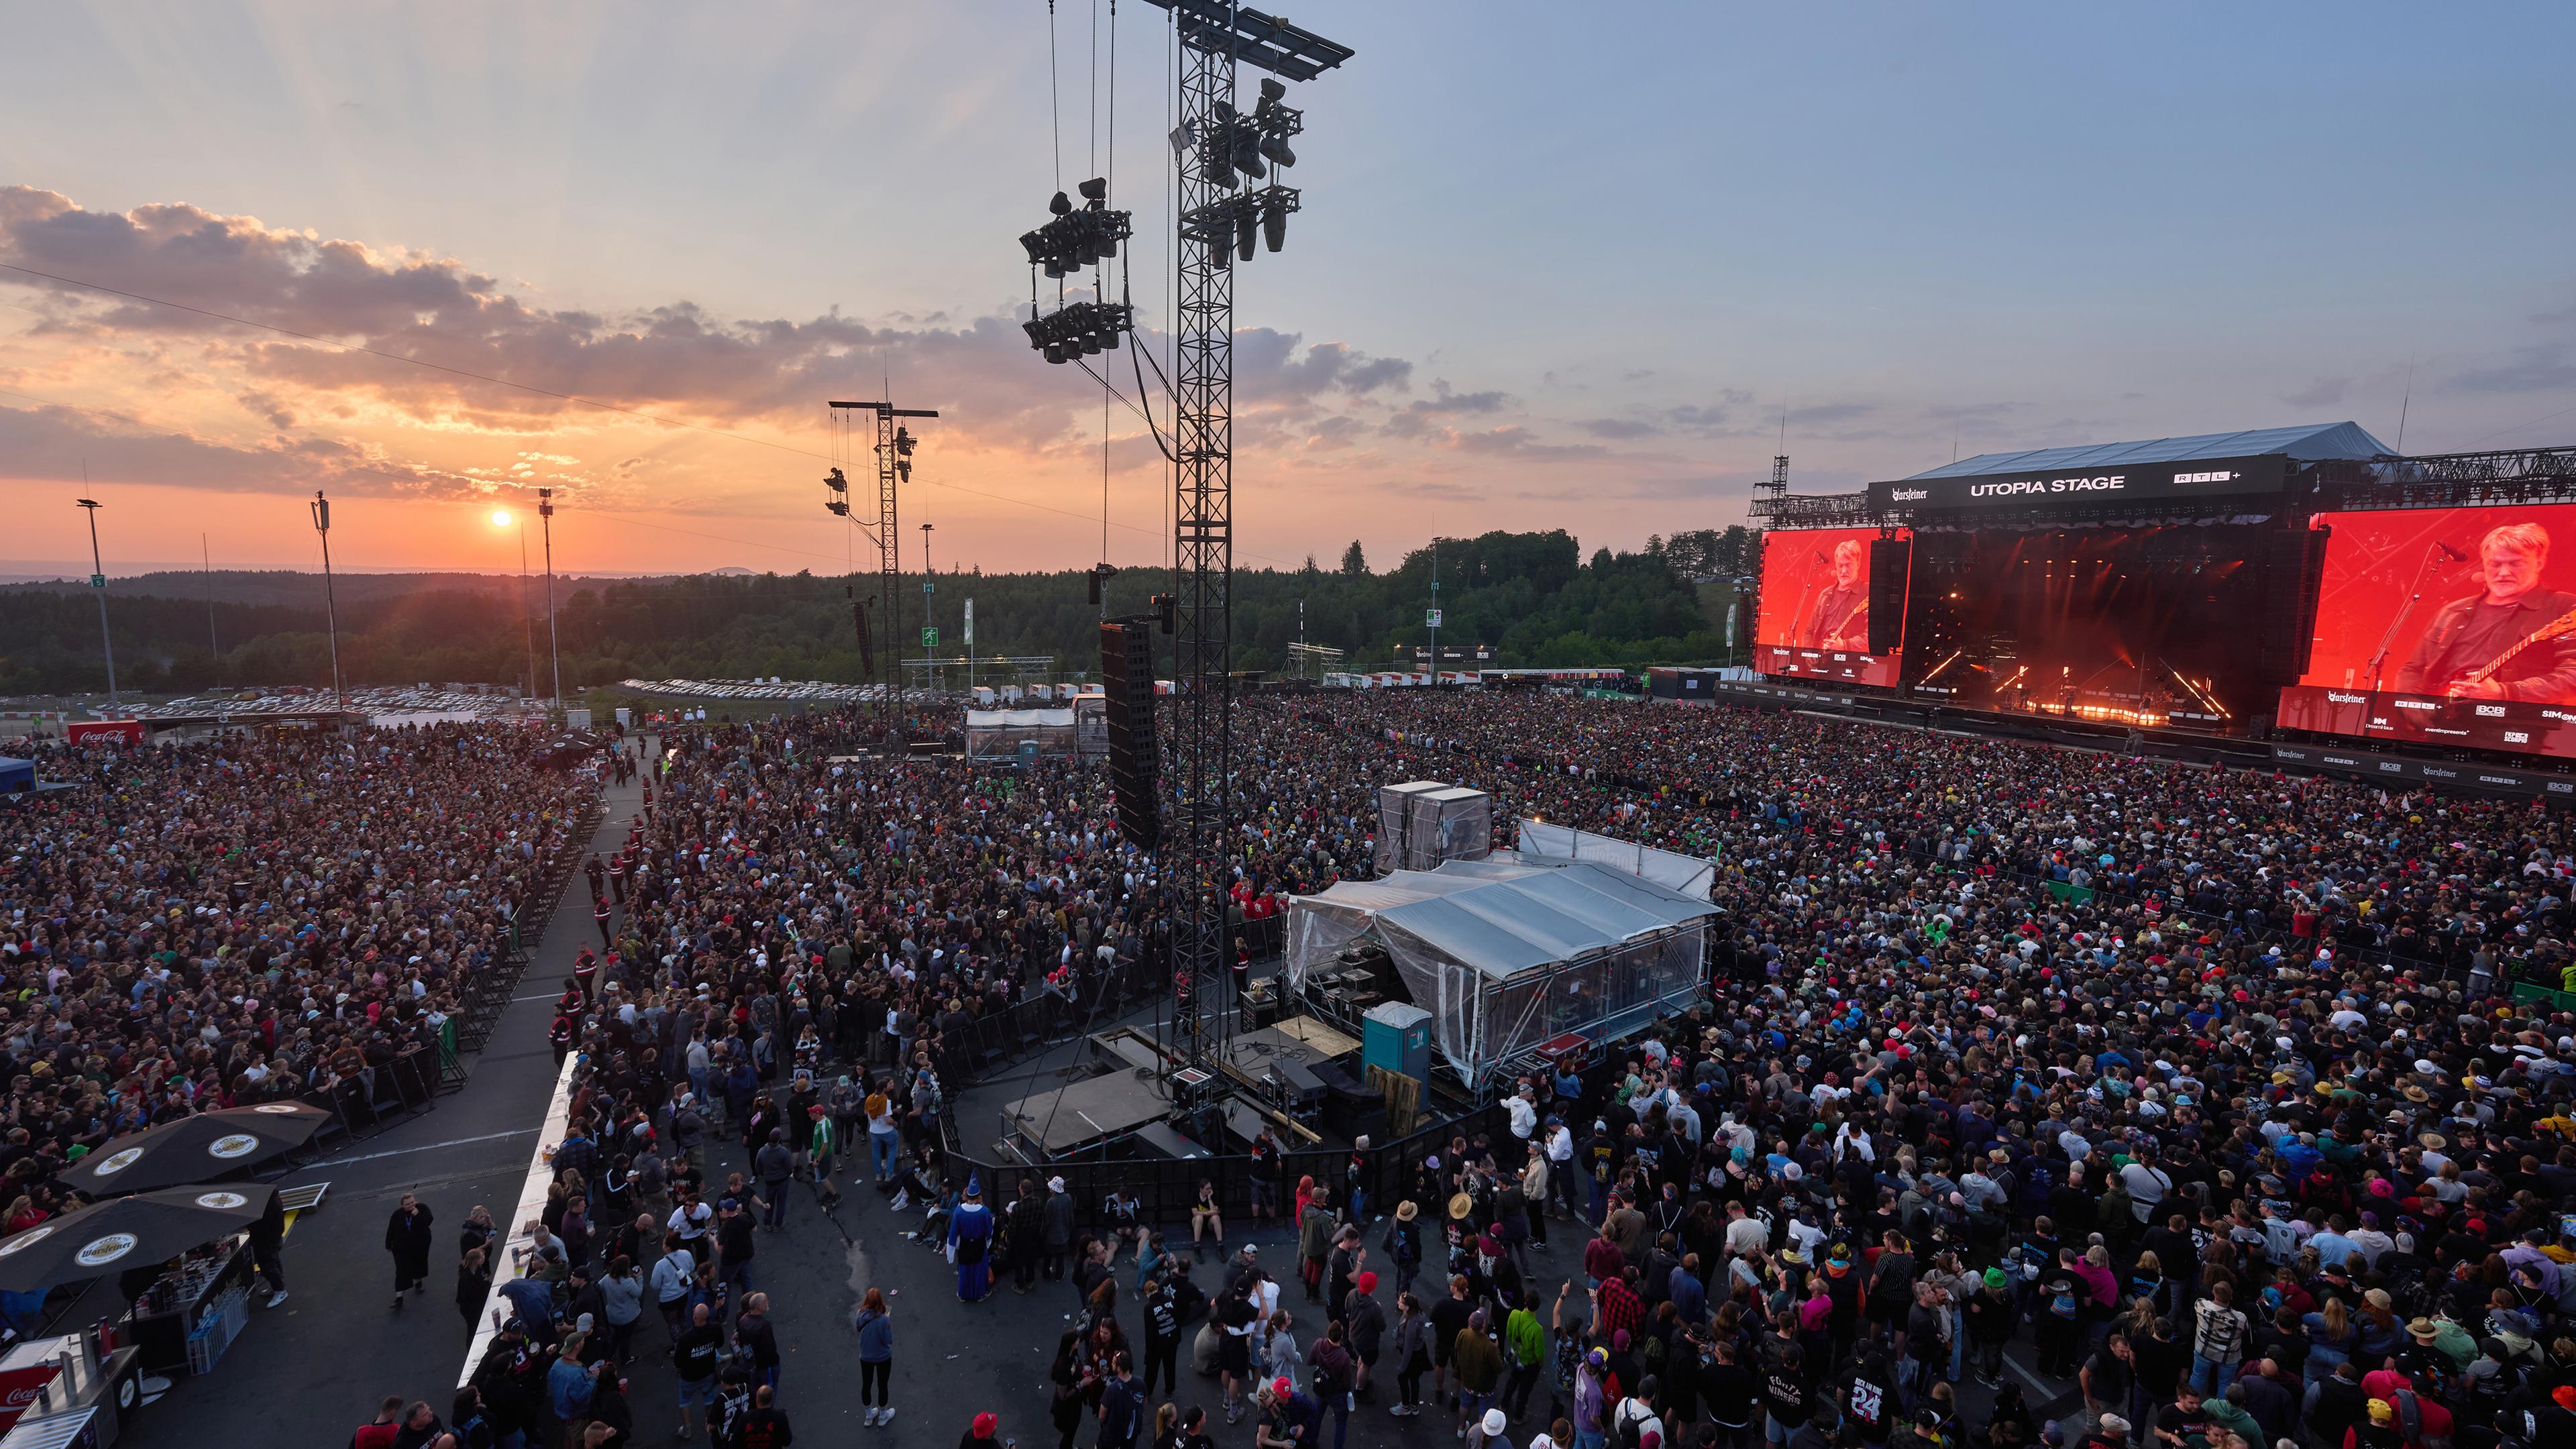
x=125, y=1233
x=201, y=1148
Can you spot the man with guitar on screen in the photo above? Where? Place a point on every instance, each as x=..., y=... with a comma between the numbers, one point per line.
x=1840, y=619
x=2514, y=641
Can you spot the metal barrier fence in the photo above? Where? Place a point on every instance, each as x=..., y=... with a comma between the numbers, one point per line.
x=1167, y=1189
x=364, y=1104
x=997, y=1038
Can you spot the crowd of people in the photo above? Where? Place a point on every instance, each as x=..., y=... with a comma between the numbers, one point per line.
x=246, y=919
x=2041, y=1097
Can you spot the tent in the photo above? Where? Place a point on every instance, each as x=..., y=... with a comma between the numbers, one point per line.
x=1688, y=874
x=1513, y=950
x=16, y=775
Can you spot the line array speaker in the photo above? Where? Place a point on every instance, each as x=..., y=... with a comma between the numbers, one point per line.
x=1127, y=708
x=2294, y=565
x=1888, y=561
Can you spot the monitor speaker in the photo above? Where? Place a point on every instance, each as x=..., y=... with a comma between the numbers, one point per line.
x=1888, y=561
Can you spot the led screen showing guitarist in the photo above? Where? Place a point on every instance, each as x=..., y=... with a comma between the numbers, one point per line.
x=2516, y=640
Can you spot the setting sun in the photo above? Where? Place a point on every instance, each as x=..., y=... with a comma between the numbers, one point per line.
x=500, y=518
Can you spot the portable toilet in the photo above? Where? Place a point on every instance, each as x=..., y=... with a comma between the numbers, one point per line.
x=1396, y=1035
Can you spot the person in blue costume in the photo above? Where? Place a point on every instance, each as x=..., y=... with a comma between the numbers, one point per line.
x=970, y=1240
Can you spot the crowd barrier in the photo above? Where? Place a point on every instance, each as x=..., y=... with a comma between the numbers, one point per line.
x=1167, y=1189
x=505, y=1250
x=995, y=1039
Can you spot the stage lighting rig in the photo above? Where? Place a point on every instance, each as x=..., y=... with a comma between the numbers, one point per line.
x=837, y=484
x=1232, y=147
x=1077, y=236
x=1079, y=329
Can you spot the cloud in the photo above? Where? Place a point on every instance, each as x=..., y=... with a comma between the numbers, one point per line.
x=1514, y=441
x=61, y=444
x=1841, y=412
x=1268, y=368
x=1618, y=427
x=2323, y=392
x=1416, y=418
x=448, y=331
x=2539, y=368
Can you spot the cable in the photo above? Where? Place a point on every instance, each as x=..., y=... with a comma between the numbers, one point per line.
x=1055, y=103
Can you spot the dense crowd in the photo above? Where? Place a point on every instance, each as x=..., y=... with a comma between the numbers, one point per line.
x=2041, y=1097
x=192, y=926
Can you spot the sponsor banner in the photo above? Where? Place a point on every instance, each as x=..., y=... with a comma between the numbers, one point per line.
x=1778, y=694
x=2482, y=724
x=1845, y=665
x=2398, y=770
x=2055, y=489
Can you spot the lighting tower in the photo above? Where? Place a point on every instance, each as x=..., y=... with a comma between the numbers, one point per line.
x=1214, y=141
x=554, y=652
x=894, y=465
x=330, y=609
x=98, y=586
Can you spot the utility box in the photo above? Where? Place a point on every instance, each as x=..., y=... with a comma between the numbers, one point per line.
x=1396, y=1035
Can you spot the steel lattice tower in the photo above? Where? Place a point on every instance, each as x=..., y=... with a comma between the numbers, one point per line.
x=890, y=467
x=1216, y=38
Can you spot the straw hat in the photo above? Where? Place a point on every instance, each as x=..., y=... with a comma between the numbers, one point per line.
x=1461, y=1205
x=1406, y=1212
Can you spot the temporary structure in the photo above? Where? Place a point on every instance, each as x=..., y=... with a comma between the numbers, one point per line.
x=1513, y=950
x=1688, y=874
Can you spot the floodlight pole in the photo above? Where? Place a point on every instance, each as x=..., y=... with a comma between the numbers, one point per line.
x=330, y=607
x=889, y=555
x=554, y=648
x=527, y=620
x=1215, y=36
x=98, y=586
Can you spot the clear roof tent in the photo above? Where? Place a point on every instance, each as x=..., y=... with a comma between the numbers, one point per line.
x=2304, y=444
x=1511, y=951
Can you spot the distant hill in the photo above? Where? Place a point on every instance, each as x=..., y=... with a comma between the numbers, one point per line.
x=1532, y=597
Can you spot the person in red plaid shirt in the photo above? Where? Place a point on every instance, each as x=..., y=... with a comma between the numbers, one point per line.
x=1616, y=1304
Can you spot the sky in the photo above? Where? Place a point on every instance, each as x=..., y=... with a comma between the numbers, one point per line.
x=1585, y=267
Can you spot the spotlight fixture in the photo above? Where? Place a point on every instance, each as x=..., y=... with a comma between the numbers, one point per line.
x=1247, y=225
x=1077, y=236
x=1079, y=329
x=837, y=484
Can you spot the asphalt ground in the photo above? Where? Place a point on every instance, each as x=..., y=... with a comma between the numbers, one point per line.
x=310, y=1370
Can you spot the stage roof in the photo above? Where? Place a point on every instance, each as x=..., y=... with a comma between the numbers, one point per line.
x=1508, y=913
x=2317, y=440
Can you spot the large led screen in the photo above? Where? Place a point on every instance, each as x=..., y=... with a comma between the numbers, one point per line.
x=1814, y=621
x=2451, y=626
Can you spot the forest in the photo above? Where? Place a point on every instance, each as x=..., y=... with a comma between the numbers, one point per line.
x=1533, y=598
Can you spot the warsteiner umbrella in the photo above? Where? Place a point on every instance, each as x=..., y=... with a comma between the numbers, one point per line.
x=194, y=1149
x=126, y=1233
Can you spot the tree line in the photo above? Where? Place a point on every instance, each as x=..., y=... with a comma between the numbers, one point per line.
x=1532, y=598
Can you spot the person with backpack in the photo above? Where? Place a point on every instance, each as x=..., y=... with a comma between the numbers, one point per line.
x=2423, y=1420
x=1635, y=1424
x=1336, y=1378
